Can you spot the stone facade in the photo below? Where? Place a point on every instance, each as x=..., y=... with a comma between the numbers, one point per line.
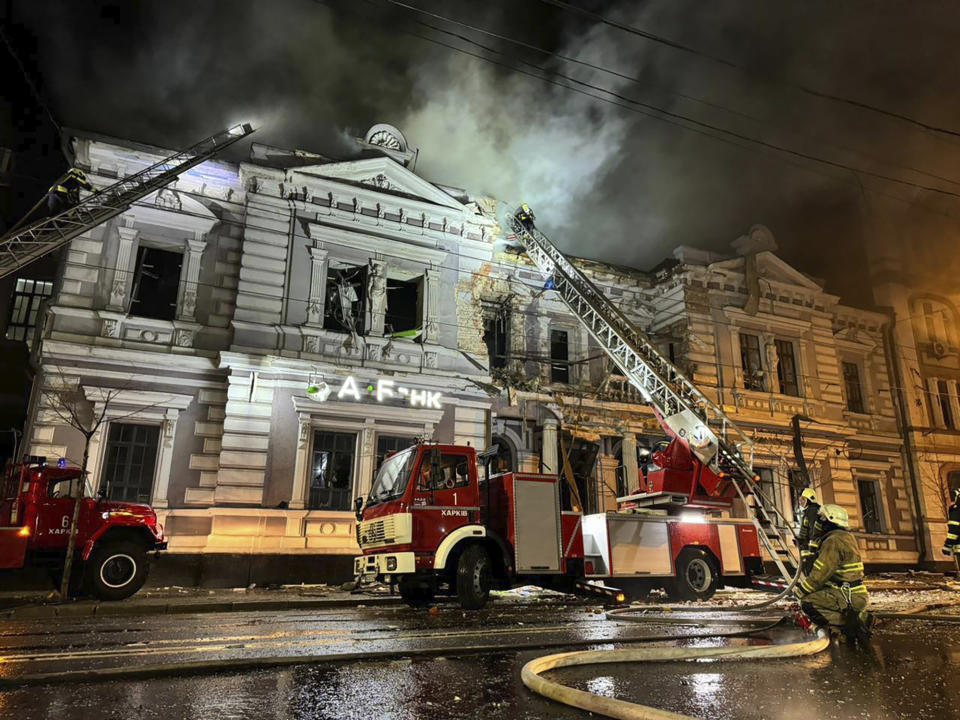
x=275, y=327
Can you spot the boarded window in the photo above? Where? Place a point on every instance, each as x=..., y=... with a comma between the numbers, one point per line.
x=787, y=368
x=851, y=384
x=559, y=356
x=156, y=283
x=751, y=362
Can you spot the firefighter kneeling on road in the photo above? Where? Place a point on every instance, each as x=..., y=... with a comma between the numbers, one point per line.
x=810, y=529
x=833, y=594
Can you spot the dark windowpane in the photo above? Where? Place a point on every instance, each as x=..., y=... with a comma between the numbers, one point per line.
x=404, y=304
x=559, y=356
x=851, y=383
x=495, y=332
x=333, y=460
x=943, y=396
x=346, y=299
x=131, y=460
x=389, y=444
x=156, y=283
x=870, y=505
x=751, y=362
x=787, y=368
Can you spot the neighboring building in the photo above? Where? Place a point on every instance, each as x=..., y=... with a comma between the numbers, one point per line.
x=762, y=340
x=267, y=332
x=918, y=280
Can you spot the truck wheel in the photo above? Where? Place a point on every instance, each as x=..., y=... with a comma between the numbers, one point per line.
x=697, y=577
x=116, y=570
x=415, y=594
x=473, y=578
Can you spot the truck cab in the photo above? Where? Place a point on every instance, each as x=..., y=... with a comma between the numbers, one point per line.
x=113, y=538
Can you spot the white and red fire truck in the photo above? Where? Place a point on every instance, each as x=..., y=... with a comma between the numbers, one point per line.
x=434, y=523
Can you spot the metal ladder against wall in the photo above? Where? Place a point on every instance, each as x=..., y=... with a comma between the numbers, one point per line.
x=682, y=406
x=23, y=246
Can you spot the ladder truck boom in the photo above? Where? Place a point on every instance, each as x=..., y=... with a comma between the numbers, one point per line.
x=685, y=412
x=22, y=246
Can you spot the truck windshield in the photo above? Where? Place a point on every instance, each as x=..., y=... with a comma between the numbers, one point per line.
x=393, y=477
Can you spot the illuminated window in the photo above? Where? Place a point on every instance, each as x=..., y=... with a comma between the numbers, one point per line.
x=24, y=306
x=751, y=362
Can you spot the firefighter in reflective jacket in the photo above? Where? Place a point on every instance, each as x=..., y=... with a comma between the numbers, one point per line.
x=808, y=539
x=525, y=216
x=66, y=192
x=951, y=546
x=833, y=594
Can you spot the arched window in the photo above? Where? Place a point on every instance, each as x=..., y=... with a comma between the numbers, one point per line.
x=506, y=458
x=935, y=324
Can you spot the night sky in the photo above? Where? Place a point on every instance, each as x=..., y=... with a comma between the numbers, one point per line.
x=607, y=183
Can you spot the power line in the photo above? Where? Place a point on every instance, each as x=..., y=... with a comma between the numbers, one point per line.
x=624, y=76
x=744, y=69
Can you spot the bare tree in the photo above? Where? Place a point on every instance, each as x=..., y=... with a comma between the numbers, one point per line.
x=66, y=398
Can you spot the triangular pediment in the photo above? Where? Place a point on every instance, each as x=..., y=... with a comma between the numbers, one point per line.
x=383, y=175
x=772, y=268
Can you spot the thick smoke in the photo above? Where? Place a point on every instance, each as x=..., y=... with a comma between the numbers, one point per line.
x=607, y=183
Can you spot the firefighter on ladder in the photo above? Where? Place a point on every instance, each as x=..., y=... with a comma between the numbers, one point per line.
x=65, y=193
x=808, y=539
x=951, y=546
x=833, y=594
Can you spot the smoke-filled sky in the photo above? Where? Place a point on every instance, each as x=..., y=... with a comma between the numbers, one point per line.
x=606, y=182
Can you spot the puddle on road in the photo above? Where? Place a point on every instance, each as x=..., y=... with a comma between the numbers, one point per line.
x=909, y=673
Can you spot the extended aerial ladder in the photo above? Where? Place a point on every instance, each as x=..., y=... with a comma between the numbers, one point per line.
x=22, y=246
x=681, y=407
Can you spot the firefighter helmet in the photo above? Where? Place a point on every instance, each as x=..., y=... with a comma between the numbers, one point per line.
x=810, y=494
x=835, y=515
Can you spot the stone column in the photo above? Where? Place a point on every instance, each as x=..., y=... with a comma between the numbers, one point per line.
x=123, y=274
x=376, y=297
x=167, y=434
x=319, y=262
x=549, y=458
x=187, y=309
x=431, y=289
x=631, y=471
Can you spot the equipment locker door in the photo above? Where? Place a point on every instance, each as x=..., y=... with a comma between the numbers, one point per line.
x=536, y=518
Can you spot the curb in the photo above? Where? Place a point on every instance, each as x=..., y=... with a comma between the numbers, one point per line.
x=119, y=609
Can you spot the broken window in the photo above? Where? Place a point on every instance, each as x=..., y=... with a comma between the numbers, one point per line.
x=346, y=295
x=404, y=305
x=870, y=505
x=559, y=356
x=851, y=382
x=156, y=283
x=24, y=306
x=751, y=362
x=787, y=368
x=496, y=328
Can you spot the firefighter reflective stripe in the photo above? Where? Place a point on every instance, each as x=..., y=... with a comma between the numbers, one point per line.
x=806, y=587
x=951, y=536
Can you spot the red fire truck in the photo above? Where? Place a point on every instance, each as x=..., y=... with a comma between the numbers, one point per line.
x=436, y=521
x=113, y=538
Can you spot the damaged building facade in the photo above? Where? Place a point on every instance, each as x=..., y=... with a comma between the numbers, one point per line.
x=259, y=336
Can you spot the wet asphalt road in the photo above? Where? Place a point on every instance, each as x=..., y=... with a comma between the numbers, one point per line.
x=912, y=669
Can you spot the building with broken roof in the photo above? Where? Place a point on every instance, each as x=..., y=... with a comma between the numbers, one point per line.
x=271, y=330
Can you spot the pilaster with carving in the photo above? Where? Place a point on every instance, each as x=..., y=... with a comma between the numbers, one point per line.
x=120, y=290
x=319, y=262
x=188, y=301
x=431, y=288
x=168, y=431
x=301, y=468
x=377, y=296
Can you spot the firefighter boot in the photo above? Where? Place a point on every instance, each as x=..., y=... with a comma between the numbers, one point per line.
x=865, y=622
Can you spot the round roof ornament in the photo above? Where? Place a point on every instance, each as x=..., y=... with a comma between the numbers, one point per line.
x=386, y=136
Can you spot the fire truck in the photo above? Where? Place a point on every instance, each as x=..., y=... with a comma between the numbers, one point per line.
x=435, y=523
x=113, y=540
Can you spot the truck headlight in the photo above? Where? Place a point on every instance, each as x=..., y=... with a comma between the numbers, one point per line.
x=391, y=564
